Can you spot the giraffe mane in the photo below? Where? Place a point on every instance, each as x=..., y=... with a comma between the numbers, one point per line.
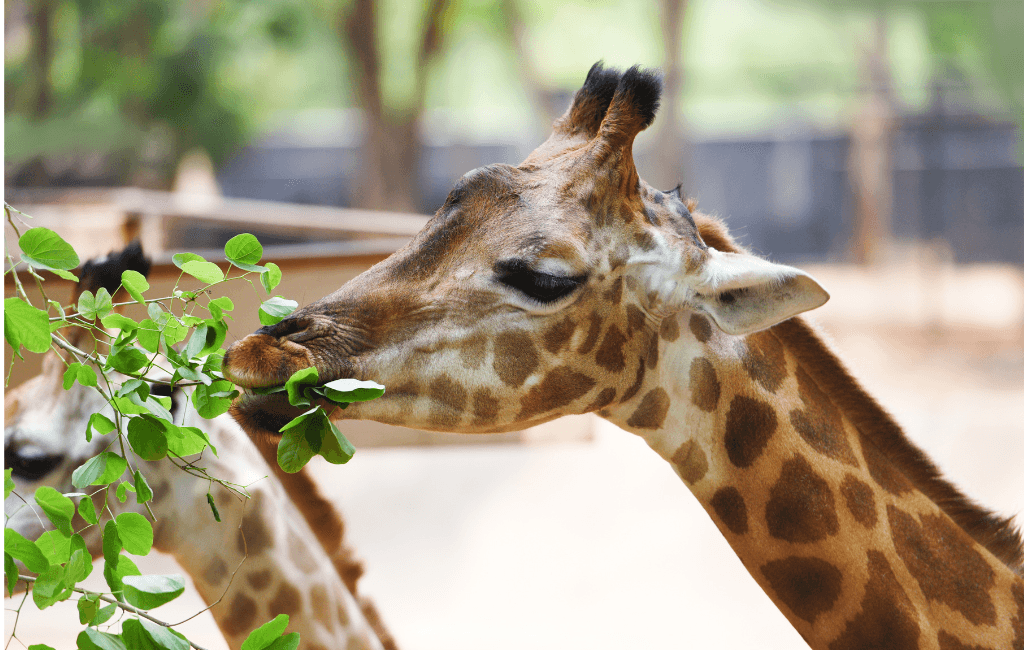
x=996, y=533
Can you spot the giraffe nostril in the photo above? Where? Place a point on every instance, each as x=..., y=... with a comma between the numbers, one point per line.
x=30, y=463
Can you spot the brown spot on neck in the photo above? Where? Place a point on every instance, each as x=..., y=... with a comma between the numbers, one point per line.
x=700, y=327
x=611, y=355
x=704, y=387
x=728, y=504
x=241, y=616
x=749, y=425
x=801, y=507
x=559, y=387
x=860, y=500
x=651, y=412
x=614, y=293
x=472, y=351
x=764, y=360
x=603, y=399
x=820, y=423
x=670, y=328
x=287, y=600
x=949, y=642
x=253, y=536
x=691, y=461
x=809, y=586
x=943, y=560
x=447, y=402
x=515, y=357
x=592, y=333
x=887, y=618
x=260, y=580
x=485, y=407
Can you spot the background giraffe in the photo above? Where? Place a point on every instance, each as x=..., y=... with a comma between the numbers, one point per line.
x=284, y=566
x=567, y=285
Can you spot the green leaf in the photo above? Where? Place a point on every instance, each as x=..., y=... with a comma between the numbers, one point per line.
x=104, y=304
x=105, y=614
x=102, y=469
x=78, y=567
x=135, y=284
x=274, y=310
x=88, y=607
x=67, y=275
x=118, y=321
x=179, y=259
x=78, y=544
x=44, y=249
x=220, y=305
x=207, y=403
x=24, y=550
x=93, y=639
x=213, y=507
x=122, y=492
x=301, y=440
x=151, y=591
x=287, y=642
x=136, y=533
x=352, y=390
x=149, y=335
x=196, y=343
x=26, y=325
x=336, y=449
x=111, y=544
x=115, y=574
x=87, y=509
x=84, y=374
x=49, y=585
x=87, y=305
x=299, y=380
x=99, y=423
x=11, y=572
x=266, y=634
x=55, y=546
x=271, y=277
x=244, y=251
x=40, y=646
x=190, y=441
x=128, y=361
x=143, y=492
x=206, y=272
x=8, y=483
x=147, y=437
x=58, y=508
x=142, y=634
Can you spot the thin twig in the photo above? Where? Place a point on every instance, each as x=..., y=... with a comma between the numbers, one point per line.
x=126, y=607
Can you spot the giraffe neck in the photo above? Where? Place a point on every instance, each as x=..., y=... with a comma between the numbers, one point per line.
x=262, y=557
x=842, y=536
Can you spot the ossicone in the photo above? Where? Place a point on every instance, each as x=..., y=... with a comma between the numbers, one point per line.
x=612, y=104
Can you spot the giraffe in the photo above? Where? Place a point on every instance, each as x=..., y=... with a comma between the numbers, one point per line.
x=285, y=568
x=568, y=285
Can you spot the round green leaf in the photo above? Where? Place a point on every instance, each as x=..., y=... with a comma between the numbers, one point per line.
x=55, y=546
x=142, y=634
x=48, y=587
x=244, y=251
x=336, y=449
x=297, y=382
x=179, y=259
x=136, y=533
x=147, y=437
x=266, y=634
x=102, y=469
x=58, y=508
x=127, y=360
x=8, y=482
x=11, y=572
x=143, y=492
x=119, y=322
x=301, y=440
x=92, y=639
x=150, y=591
x=206, y=272
x=209, y=402
x=352, y=390
x=271, y=277
x=135, y=284
x=104, y=303
x=274, y=310
x=26, y=325
x=87, y=509
x=24, y=550
x=44, y=249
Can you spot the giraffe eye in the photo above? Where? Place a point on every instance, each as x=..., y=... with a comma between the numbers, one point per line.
x=542, y=287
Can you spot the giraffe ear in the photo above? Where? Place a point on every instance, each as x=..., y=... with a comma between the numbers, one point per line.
x=590, y=103
x=744, y=294
x=632, y=108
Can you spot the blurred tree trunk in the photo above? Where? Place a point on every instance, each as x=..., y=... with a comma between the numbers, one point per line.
x=670, y=148
x=871, y=153
x=42, y=57
x=389, y=173
x=541, y=97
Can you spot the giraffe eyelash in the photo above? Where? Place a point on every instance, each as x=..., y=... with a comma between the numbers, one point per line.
x=542, y=287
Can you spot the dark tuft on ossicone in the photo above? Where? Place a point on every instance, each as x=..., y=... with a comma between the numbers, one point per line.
x=642, y=89
x=594, y=97
x=106, y=271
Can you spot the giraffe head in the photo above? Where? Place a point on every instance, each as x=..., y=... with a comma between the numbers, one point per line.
x=536, y=291
x=44, y=425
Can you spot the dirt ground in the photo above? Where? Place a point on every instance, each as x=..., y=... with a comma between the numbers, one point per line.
x=599, y=545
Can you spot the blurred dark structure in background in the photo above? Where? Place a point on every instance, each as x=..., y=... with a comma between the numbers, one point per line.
x=956, y=178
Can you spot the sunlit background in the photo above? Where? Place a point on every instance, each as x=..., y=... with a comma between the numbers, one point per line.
x=878, y=142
